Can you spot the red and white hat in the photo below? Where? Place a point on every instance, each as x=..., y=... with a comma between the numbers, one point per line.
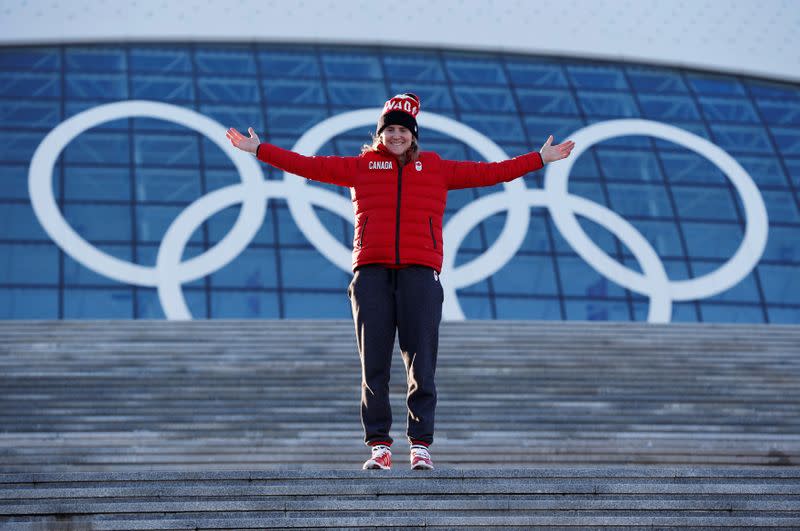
x=400, y=110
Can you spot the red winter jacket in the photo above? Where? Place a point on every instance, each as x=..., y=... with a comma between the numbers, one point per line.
x=398, y=210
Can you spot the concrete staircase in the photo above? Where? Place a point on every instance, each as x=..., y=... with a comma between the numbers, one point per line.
x=254, y=424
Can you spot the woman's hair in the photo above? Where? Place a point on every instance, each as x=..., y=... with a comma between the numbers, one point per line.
x=411, y=154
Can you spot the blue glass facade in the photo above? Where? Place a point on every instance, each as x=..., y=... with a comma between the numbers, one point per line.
x=122, y=183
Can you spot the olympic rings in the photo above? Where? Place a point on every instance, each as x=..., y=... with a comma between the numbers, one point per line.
x=170, y=273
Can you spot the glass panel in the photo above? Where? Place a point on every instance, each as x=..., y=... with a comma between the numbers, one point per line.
x=228, y=91
x=167, y=184
x=787, y=140
x=28, y=263
x=793, y=167
x=781, y=283
x=728, y=109
x=715, y=85
x=149, y=306
x=770, y=89
x=240, y=116
x=782, y=244
x=536, y=239
x=163, y=88
x=780, y=112
x=731, y=313
x=28, y=303
x=413, y=66
x=482, y=70
x=541, y=127
x=252, y=268
x=30, y=59
x=152, y=222
x=99, y=148
x=745, y=290
x=476, y=307
x=711, y=240
x=286, y=91
x=221, y=224
x=303, y=268
x=485, y=99
x=287, y=63
x=244, y=305
x=658, y=81
x=579, y=278
x=597, y=77
x=229, y=61
x=657, y=107
x=98, y=222
x=496, y=127
x=593, y=310
x=95, y=59
x=18, y=222
x=103, y=303
x=765, y=171
x=526, y=275
x=357, y=93
x=516, y=308
x=662, y=235
x=30, y=114
x=704, y=203
x=783, y=315
x=608, y=104
x=29, y=85
x=355, y=65
x=160, y=60
x=97, y=183
x=640, y=200
x=165, y=150
x=546, y=102
x=629, y=165
x=14, y=181
x=76, y=274
x=433, y=97
x=97, y=86
x=781, y=206
x=600, y=236
x=687, y=167
x=293, y=121
x=738, y=139
x=300, y=305
x=536, y=75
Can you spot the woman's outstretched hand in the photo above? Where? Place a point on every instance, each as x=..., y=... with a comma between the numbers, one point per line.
x=551, y=153
x=242, y=142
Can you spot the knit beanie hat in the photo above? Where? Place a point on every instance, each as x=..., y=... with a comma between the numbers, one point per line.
x=400, y=110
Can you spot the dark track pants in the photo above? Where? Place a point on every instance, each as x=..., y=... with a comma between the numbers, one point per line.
x=408, y=300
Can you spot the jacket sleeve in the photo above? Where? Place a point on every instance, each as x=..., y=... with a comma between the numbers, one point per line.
x=466, y=174
x=333, y=170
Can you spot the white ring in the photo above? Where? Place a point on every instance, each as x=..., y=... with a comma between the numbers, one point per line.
x=729, y=274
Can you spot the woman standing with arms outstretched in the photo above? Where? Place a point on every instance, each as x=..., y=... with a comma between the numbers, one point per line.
x=399, y=195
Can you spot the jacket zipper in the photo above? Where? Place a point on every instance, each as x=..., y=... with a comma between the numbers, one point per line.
x=363, y=228
x=397, y=220
x=430, y=222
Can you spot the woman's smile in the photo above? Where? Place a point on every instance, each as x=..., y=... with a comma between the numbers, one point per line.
x=397, y=139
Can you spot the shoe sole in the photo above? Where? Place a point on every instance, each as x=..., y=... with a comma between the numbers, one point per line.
x=422, y=466
x=375, y=466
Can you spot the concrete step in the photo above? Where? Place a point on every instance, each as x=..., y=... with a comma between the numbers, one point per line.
x=116, y=395
x=492, y=498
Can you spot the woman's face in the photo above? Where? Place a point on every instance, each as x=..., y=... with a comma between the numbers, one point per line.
x=396, y=138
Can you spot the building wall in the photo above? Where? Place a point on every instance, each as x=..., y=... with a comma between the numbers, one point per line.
x=661, y=213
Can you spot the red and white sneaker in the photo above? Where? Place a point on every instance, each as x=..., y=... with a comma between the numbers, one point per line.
x=381, y=458
x=420, y=458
